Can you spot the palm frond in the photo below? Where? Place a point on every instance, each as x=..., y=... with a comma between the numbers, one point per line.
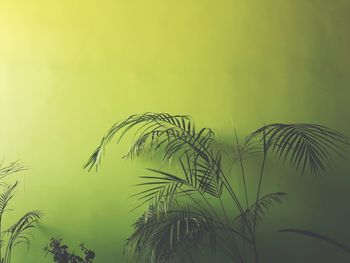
x=174, y=133
x=165, y=187
x=203, y=176
x=311, y=234
x=254, y=214
x=174, y=233
x=19, y=232
x=162, y=189
x=26, y=222
x=10, y=168
x=305, y=146
x=6, y=196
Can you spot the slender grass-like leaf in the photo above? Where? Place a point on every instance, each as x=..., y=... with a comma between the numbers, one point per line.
x=314, y=235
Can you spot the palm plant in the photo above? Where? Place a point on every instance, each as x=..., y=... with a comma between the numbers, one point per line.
x=19, y=232
x=194, y=202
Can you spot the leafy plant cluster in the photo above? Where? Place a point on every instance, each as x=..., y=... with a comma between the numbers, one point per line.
x=61, y=253
x=193, y=202
x=20, y=231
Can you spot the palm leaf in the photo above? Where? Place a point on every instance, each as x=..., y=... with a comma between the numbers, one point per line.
x=305, y=146
x=19, y=232
x=10, y=168
x=176, y=232
x=311, y=234
x=203, y=176
x=175, y=133
x=165, y=187
x=254, y=214
x=162, y=189
x=6, y=196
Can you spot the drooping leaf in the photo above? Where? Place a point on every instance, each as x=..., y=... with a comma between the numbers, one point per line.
x=19, y=233
x=13, y=167
x=174, y=133
x=314, y=235
x=162, y=189
x=175, y=232
x=304, y=146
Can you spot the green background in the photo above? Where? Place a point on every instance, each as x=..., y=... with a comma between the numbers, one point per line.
x=69, y=69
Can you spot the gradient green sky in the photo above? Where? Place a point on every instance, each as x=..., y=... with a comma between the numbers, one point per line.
x=70, y=69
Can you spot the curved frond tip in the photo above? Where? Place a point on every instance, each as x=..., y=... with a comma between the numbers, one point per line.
x=169, y=235
x=20, y=228
x=175, y=134
x=304, y=146
x=13, y=167
x=311, y=234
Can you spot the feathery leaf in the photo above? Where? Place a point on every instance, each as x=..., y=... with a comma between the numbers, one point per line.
x=254, y=214
x=305, y=146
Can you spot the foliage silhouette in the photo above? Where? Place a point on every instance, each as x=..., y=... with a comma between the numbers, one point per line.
x=187, y=203
x=19, y=232
x=62, y=255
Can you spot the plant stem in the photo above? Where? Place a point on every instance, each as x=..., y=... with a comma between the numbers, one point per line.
x=224, y=180
x=231, y=192
x=262, y=165
x=215, y=213
x=242, y=169
x=199, y=204
x=232, y=235
x=256, y=255
x=229, y=251
x=227, y=220
x=260, y=178
x=256, y=211
x=226, y=184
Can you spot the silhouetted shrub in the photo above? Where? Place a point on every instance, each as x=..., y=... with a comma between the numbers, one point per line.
x=62, y=255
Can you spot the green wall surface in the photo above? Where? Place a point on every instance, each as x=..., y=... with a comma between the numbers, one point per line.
x=70, y=69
